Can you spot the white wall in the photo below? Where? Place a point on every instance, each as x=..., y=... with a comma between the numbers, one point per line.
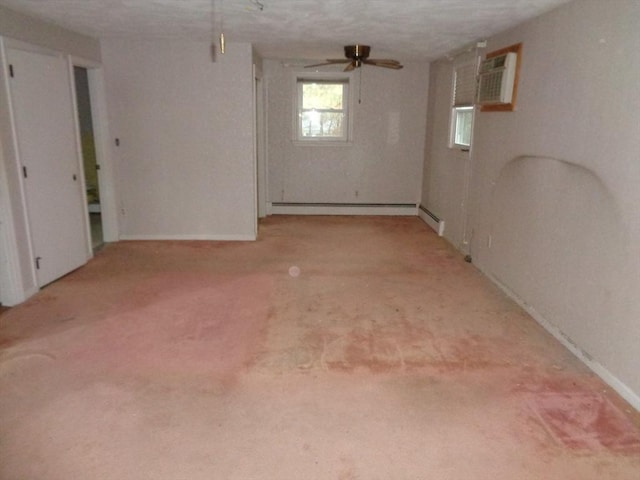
x=36, y=32
x=554, y=193
x=17, y=277
x=444, y=183
x=185, y=164
x=384, y=163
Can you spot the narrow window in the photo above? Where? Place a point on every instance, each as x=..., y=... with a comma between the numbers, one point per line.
x=463, y=119
x=323, y=110
x=464, y=86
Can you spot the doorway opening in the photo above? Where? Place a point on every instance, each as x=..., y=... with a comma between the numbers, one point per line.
x=91, y=167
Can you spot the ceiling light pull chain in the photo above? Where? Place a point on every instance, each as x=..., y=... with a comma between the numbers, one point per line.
x=214, y=47
x=222, y=44
x=217, y=28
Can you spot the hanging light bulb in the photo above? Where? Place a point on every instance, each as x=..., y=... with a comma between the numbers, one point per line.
x=221, y=20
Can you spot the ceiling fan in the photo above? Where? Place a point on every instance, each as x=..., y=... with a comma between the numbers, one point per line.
x=356, y=56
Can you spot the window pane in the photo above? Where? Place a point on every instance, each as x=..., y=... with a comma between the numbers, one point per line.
x=322, y=96
x=464, y=119
x=322, y=124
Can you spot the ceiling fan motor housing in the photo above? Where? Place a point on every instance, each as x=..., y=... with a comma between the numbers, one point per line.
x=357, y=52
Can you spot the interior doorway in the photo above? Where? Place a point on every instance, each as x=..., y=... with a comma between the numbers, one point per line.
x=91, y=166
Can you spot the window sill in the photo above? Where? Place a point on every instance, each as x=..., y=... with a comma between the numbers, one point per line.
x=460, y=148
x=322, y=143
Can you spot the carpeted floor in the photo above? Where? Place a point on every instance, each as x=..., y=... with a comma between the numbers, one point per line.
x=332, y=348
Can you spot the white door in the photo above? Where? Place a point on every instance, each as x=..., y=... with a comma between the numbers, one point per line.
x=45, y=127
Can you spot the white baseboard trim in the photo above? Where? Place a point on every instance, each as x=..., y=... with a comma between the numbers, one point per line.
x=342, y=209
x=596, y=367
x=430, y=219
x=212, y=238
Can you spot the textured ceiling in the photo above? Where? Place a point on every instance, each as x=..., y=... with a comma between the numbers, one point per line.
x=286, y=29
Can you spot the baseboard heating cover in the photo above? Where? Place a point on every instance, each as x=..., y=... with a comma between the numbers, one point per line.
x=432, y=220
x=284, y=208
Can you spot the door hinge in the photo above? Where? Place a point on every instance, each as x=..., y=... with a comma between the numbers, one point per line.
x=38, y=262
x=24, y=172
x=11, y=70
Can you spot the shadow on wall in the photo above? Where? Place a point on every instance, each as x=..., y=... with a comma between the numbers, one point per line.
x=559, y=243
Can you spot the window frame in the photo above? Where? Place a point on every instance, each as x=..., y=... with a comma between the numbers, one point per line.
x=300, y=78
x=455, y=111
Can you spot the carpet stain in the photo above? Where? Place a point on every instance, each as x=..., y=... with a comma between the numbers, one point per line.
x=394, y=347
x=183, y=323
x=587, y=421
x=6, y=341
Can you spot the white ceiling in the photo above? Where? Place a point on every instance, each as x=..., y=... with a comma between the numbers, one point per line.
x=286, y=29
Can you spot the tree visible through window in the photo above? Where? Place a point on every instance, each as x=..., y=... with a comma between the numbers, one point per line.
x=322, y=109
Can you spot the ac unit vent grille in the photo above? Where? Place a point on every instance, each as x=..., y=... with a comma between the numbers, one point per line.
x=496, y=80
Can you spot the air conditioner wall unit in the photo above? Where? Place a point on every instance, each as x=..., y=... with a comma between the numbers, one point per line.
x=496, y=78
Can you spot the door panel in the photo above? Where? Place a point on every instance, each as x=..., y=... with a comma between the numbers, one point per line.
x=45, y=127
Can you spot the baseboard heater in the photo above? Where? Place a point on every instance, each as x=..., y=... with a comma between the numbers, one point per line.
x=293, y=208
x=432, y=220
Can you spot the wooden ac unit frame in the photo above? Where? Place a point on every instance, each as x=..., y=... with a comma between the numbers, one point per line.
x=507, y=107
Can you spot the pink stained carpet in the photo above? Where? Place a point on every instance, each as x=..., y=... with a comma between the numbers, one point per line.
x=332, y=348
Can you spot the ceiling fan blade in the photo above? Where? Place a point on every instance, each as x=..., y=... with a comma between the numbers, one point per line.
x=383, y=60
x=350, y=67
x=384, y=65
x=330, y=61
x=357, y=55
x=376, y=63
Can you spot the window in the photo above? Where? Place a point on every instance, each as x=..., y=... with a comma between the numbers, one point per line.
x=322, y=110
x=464, y=87
x=463, y=121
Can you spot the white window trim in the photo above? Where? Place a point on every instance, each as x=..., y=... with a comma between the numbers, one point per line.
x=452, y=128
x=316, y=141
